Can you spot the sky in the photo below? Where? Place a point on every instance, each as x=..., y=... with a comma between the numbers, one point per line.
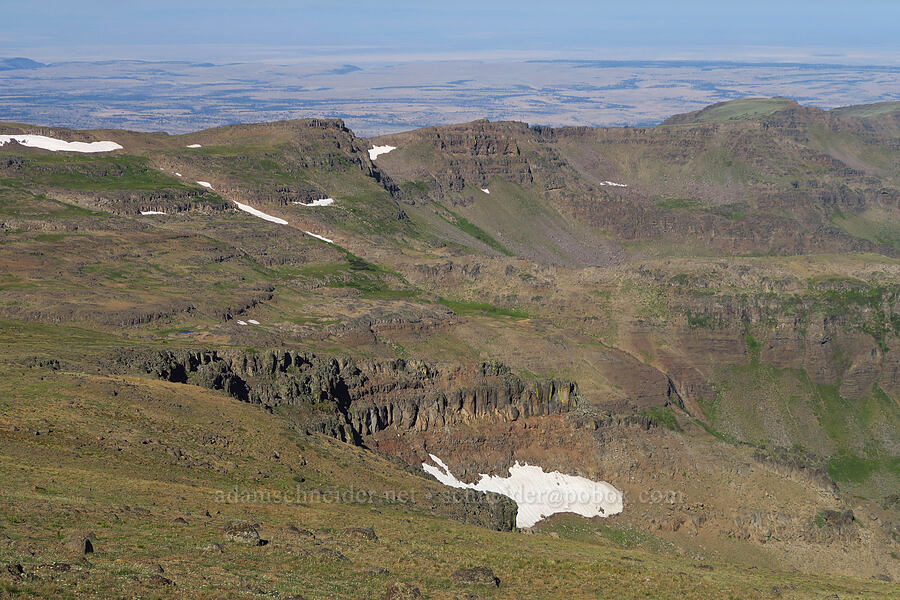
x=861, y=31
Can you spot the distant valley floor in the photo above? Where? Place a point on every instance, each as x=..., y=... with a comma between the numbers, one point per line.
x=380, y=98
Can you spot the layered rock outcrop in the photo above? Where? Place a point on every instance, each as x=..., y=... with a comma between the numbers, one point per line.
x=355, y=398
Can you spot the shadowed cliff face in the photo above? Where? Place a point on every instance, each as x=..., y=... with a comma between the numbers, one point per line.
x=352, y=400
x=360, y=398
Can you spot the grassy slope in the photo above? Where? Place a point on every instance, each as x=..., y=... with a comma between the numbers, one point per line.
x=99, y=459
x=764, y=405
x=513, y=219
x=875, y=224
x=745, y=109
x=868, y=110
x=129, y=264
x=723, y=170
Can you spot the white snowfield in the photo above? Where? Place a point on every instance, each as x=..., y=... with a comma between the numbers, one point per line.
x=152, y=212
x=55, y=145
x=266, y=217
x=613, y=183
x=485, y=190
x=319, y=202
x=258, y=213
x=539, y=494
x=194, y=146
x=376, y=151
x=319, y=237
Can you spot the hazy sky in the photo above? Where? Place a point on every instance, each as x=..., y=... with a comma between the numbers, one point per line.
x=824, y=30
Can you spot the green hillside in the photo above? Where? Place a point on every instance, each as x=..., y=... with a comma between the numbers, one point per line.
x=705, y=316
x=741, y=110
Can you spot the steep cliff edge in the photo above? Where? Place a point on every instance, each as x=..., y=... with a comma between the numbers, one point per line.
x=353, y=398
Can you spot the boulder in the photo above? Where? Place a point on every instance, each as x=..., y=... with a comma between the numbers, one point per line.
x=15, y=571
x=333, y=555
x=402, y=591
x=294, y=530
x=81, y=545
x=242, y=532
x=362, y=533
x=159, y=581
x=475, y=576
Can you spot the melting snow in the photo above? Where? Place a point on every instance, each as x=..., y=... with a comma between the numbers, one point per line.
x=319, y=237
x=194, y=146
x=485, y=190
x=177, y=174
x=241, y=322
x=152, y=212
x=376, y=151
x=253, y=321
x=319, y=202
x=205, y=184
x=55, y=145
x=613, y=183
x=258, y=213
x=539, y=494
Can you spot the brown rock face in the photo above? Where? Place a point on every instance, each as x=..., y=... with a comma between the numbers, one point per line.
x=863, y=373
x=830, y=526
x=368, y=397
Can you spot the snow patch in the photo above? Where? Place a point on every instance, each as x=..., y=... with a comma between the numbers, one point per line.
x=177, y=174
x=205, y=184
x=55, y=145
x=194, y=146
x=539, y=494
x=376, y=151
x=152, y=212
x=258, y=213
x=485, y=190
x=319, y=202
x=613, y=183
x=319, y=237
x=253, y=321
x=241, y=322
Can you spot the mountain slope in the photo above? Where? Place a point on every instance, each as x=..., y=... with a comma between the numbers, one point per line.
x=704, y=313
x=772, y=182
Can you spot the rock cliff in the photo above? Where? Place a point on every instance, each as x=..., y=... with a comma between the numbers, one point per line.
x=354, y=398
